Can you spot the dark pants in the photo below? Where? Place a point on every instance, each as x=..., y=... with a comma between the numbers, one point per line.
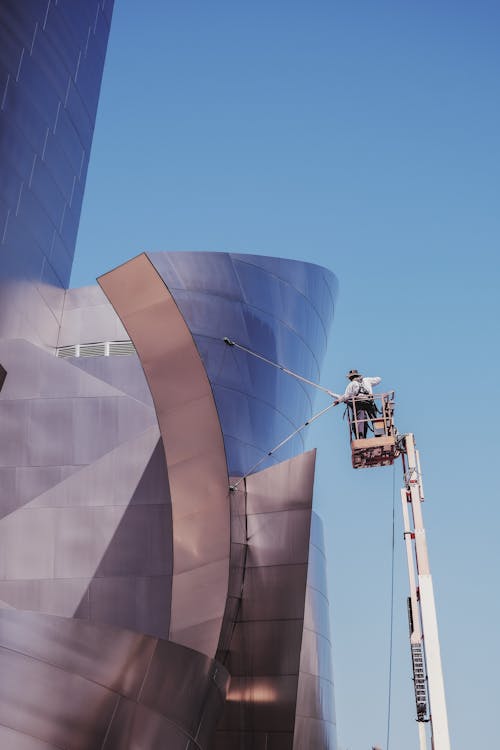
x=360, y=416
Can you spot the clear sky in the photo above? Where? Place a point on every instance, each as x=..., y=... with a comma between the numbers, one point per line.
x=362, y=135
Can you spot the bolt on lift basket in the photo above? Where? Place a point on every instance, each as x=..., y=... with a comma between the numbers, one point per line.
x=372, y=431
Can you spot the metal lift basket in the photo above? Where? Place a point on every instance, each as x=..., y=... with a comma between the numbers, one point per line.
x=372, y=431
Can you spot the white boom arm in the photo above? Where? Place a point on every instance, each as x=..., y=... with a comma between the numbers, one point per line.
x=424, y=639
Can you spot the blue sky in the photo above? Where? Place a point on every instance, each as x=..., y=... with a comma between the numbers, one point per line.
x=363, y=136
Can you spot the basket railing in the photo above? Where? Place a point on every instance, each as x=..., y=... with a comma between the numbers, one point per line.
x=371, y=416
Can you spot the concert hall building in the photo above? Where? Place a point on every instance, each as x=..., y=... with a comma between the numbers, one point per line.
x=162, y=577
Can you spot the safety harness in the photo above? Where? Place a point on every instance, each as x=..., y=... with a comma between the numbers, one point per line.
x=365, y=401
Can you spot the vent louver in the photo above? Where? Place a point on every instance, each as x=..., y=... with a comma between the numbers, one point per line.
x=97, y=349
x=93, y=350
x=66, y=351
x=121, y=347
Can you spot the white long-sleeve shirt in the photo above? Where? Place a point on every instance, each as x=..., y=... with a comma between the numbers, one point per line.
x=352, y=389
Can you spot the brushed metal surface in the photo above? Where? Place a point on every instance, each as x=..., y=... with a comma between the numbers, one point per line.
x=194, y=448
x=278, y=539
x=14, y=740
x=259, y=639
x=69, y=684
x=260, y=704
x=280, y=308
x=124, y=373
x=89, y=317
x=115, y=658
x=85, y=526
x=137, y=726
x=315, y=716
x=51, y=63
x=57, y=707
x=85, y=519
x=278, y=650
x=311, y=732
x=315, y=698
x=264, y=649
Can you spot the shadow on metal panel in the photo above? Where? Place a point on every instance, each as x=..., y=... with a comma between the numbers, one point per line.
x=265, y=629
x=76, y=685
x=194, y=449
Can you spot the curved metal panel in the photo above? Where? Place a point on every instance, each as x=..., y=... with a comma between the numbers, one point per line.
x=315, y=717
x=279, y=308
x=271, y=518
x=278, y=648
x=82, y=686
x=57, y=707
x=194, y=449
x=14, y=740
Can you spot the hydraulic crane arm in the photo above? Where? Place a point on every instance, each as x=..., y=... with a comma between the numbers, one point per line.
x=424, y=638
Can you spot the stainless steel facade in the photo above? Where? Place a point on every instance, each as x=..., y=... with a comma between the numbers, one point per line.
x=194, y=450
x=51, y=61
x=282, y=309
x=69, y=684
x=134, y=583
x=268, y=562
x=117, y=510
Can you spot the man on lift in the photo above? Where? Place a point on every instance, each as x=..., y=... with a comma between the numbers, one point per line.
x=360, y=391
